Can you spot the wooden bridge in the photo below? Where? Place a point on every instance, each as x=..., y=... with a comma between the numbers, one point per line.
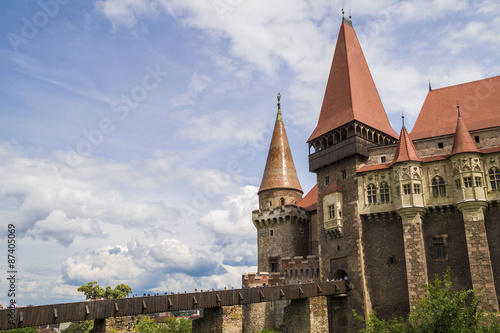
x=80, y=311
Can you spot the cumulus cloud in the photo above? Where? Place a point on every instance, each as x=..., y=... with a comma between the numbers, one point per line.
x=59, y=227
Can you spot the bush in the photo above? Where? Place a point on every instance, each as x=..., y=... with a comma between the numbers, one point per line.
x=441, y=310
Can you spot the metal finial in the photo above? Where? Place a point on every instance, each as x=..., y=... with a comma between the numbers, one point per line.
x=279, y=104
x=458, y=108
x=350, y=16
x=342, y=12
x=403, y=118
x=430, y=88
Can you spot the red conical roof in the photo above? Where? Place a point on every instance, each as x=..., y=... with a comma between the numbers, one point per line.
x=350, y=92
x=280, y=169
x=463, y=142
x=406, y=150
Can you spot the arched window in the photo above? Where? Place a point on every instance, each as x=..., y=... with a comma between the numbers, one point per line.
x=372, y=194
x=438, y=187
x=282, y=201
x=495, y=178
x=384, y=192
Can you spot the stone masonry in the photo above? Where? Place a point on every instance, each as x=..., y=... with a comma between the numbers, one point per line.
x=479, y=254
x=416, y=267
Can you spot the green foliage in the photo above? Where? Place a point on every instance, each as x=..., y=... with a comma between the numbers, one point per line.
x=84, y=327
x=21, y=330
x=170, y=325
x=271, y=330
x=441, y=310
x=93, y=290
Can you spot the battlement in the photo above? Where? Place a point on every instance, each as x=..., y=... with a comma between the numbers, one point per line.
x=258, y=279
x=279, y=215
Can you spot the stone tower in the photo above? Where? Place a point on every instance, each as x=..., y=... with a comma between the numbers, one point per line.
x=352, y=120
x=282, y=226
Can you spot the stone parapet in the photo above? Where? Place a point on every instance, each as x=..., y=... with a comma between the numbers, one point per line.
x=279, y=215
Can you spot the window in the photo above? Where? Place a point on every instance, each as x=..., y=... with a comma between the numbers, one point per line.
x=271, y=232
x=273, y=263
x=344, y=174
x=382, y=159
x=439, y=247
x=384, y=192
x=478, y=181
x=467, y=182
x=476, y=138
x=372, y=194
x=416, y=188
x=270, y=203
x=331, y=212
x=494, y=178
x=440, y=145
x=457, y=184
x=406, y=189
x=282, y=201
x=327, y=180
x=438, y=187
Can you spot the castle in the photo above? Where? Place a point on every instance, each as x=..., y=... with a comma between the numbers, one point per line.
x=389, y=211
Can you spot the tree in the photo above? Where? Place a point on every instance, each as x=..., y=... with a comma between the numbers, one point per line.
x=93, y=290
x=171, y=325
x=84, y=327
x=31, y=329
x=441, y=310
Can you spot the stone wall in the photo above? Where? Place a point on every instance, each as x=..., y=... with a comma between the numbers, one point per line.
x=343, y=253
x=385, y=265
x=492, y=224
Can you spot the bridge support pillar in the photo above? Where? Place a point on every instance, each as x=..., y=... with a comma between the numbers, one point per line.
x=306, y=315
x=226, y=319
x=99, y=326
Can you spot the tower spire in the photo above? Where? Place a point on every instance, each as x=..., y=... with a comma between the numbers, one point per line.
x=279, y=172
x=462, y=143
x=350, y=93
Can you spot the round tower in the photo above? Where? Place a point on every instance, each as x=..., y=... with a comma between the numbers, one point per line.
x=282, y=226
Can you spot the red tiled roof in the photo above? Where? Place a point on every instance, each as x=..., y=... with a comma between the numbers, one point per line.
x=406, y=150
x=280, y=169
x=350, y=92
x=332, y=187
x=374, y=167
x=310, y=201
x=463, y=141
x=480, y=108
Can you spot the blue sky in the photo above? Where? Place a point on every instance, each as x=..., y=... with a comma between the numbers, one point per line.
x=134, y=133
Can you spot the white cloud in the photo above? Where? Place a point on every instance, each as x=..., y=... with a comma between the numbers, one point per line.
x=198, y=84
x=58, y=226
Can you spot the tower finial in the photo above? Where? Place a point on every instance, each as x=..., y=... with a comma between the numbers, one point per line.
x=350, y=16
x=458, y=108
x=403, y=118
x=342, y=12
x=279, y=104
x=430, y=88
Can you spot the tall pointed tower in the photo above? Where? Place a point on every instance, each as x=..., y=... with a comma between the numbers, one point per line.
x=352, y=120
x=282, y=226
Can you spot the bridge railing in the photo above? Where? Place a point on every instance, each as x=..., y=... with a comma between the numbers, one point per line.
x=81, y=311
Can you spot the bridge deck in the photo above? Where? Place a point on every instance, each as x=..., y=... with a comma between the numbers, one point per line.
x=80, y=311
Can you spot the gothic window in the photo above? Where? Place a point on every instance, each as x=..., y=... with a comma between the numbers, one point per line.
x=344, y=174
x=467, y=182
x=406, y=189
x=478, y=181
x=384, y=192
x=372, y=194
x=282, y=201
x=416, y=188
x=438, y=187
x=457, y=184
x=327, y=180
x=494, y=178
x=331, y=212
